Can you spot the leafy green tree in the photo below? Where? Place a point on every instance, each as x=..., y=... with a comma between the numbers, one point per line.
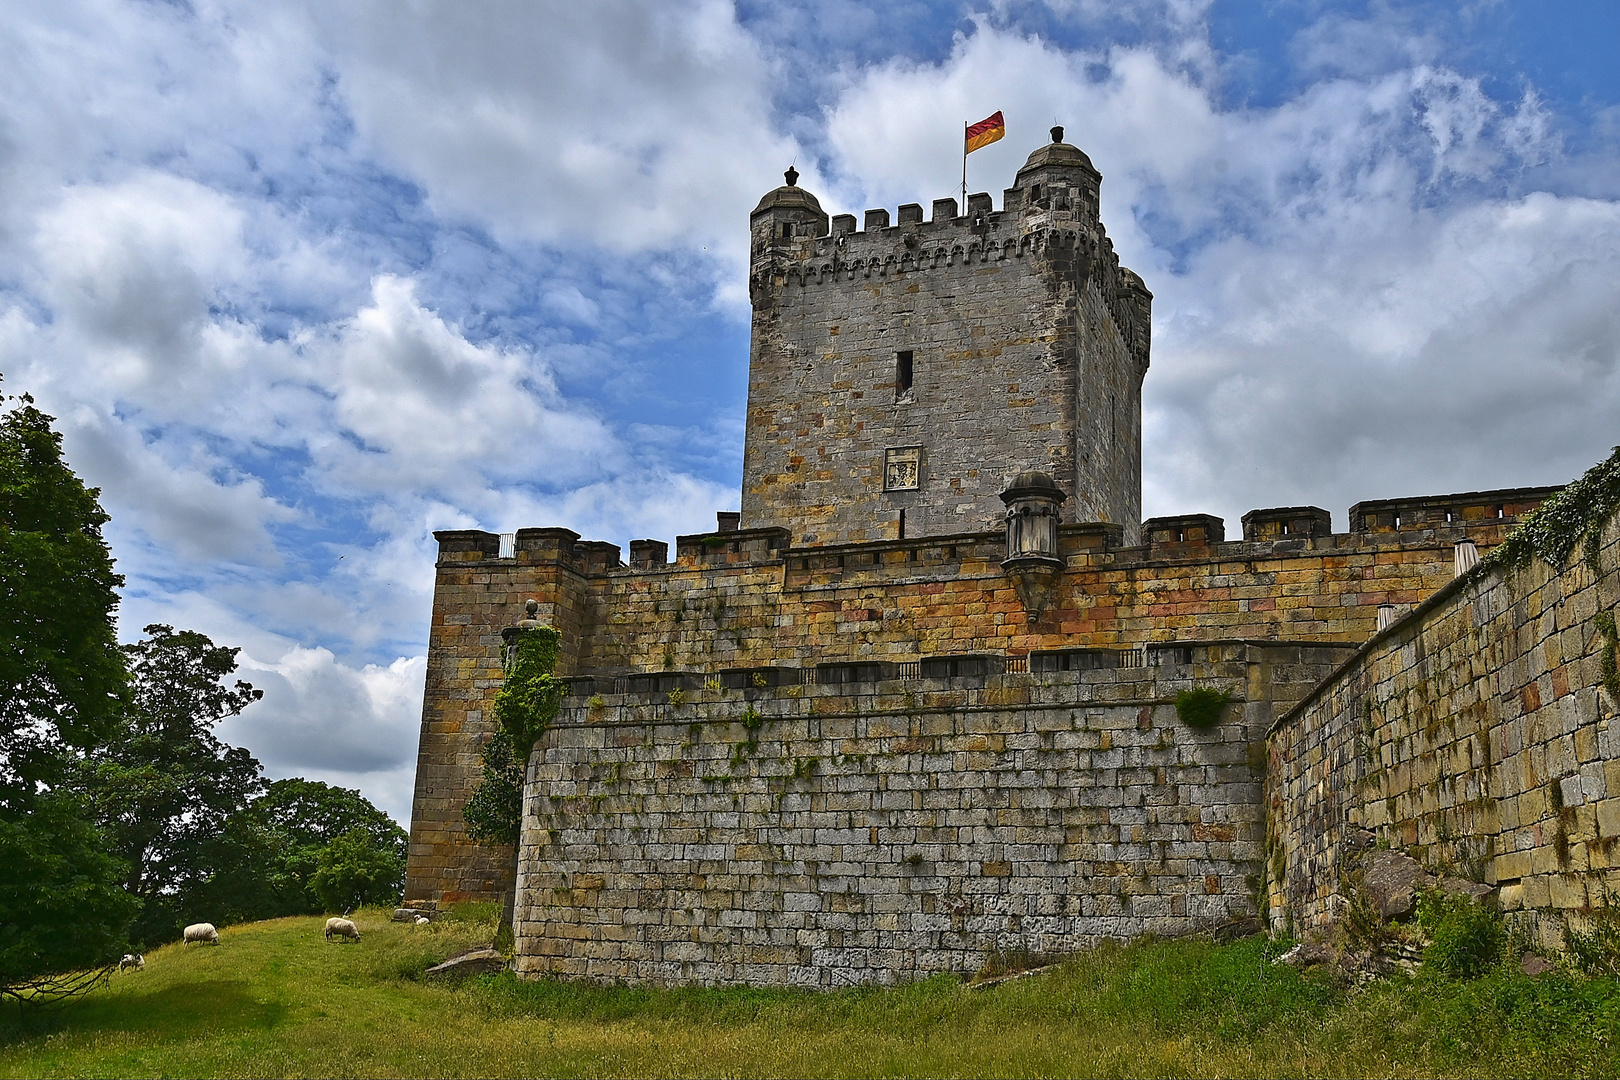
x=62, y=906
x=246, y=876
x=62, y=690
x=495, y=808
x=354, y=869
x=62, y=678
x=269, y=853
x=165, y=787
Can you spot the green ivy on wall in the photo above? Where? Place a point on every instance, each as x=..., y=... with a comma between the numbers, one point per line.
x=495, y=808
x=531, y=695
x=525, y=705
x=1607, y=666
x=1576, y=514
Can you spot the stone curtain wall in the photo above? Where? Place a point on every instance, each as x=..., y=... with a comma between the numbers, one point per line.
x=828, y=835
x=1475, y=735
x=732, y=600
x=748, y=600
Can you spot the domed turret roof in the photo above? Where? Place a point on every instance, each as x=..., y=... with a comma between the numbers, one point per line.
x=790, y=196
x=1033, y=482
x=1060, y=154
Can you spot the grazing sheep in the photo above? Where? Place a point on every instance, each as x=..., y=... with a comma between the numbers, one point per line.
x=343, y=928
x=202, y=931
x=132, y=961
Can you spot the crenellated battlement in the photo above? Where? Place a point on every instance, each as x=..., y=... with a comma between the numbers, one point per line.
x=1073, y=240
x=1432, y=520
x=1427, y=512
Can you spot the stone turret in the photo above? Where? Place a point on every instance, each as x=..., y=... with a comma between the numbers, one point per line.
x=783, y=218
x=1059, y=177
x=1034, y=506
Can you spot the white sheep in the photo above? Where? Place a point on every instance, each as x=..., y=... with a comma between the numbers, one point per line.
x=343, y=928
x=202, y=931
x=132, y=962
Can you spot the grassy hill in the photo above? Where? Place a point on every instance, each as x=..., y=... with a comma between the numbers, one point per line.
x=275, y=999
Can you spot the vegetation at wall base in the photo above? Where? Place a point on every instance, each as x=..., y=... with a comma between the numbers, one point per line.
x=493, y=810
x=276, y=999
x=1595, y=949
x=1466, y=938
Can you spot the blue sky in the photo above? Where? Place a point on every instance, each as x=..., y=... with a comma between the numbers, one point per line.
x=304, y=283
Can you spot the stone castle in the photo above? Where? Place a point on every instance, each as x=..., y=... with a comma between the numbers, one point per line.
x=917, y=703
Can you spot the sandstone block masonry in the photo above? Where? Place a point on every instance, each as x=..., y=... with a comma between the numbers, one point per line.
x=846, y=832
x=738, y=603
x=1476, y=735
x=900, y=375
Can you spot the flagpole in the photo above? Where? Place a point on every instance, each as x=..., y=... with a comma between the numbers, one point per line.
x=963, y=208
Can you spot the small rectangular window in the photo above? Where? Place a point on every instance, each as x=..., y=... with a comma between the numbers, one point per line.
x=902, y=373
x=787, y=231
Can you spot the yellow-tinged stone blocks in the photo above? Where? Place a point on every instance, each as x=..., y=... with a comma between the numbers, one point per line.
x=1494, y=750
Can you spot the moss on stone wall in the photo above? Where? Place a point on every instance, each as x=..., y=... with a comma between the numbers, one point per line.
x=1607, y=665
x=1201, y=707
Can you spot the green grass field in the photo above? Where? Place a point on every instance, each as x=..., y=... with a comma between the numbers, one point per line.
x=276, y=1000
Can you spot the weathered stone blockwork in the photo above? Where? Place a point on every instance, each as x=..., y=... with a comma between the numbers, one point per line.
x=746, y=600
x=825, y=835
x=1024, y=345
x=1475, y=734
x=472, y=601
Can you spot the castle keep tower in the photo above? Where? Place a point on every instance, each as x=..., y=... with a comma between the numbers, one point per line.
x=901, y=374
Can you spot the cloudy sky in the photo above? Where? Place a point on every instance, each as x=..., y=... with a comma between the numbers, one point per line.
x=303, y=283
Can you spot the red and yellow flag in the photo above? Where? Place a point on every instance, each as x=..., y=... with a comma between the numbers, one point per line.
x=991, y=129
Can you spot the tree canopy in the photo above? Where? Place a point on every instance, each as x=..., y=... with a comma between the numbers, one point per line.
x=164, y=786
x=62, y=676
x=269, y=854
x=62, y=692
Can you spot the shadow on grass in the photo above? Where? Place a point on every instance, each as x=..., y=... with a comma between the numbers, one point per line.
x=217, y=1006
x=506, y=996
